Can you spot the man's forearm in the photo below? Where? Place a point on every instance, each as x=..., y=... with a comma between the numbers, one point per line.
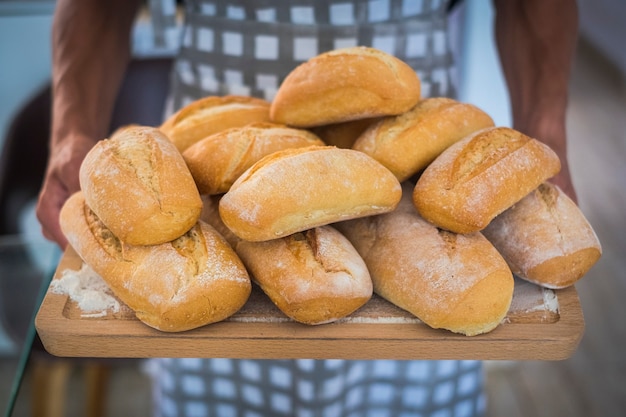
x=91, y=49
x=536, y=41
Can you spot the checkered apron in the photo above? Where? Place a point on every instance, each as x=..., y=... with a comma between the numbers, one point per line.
x=317, y=388
x=247, y=48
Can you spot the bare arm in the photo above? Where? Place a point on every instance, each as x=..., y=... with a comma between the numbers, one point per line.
x=90, y=53
x=536, y=42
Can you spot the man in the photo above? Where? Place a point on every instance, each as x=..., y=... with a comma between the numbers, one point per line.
x=239, y=47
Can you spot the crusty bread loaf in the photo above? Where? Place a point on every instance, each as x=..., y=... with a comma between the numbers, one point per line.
x=138, y=184
x=192, y=281
x=217, y=161
x=213, y=114
x=449, y=281
x=343, y=135
x=545, y=238
x=298, y=189
x=345, y=84
x=314, y=277
x=407, y=143
x=480, y=176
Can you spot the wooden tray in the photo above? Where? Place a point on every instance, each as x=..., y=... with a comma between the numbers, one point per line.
x=541, y=324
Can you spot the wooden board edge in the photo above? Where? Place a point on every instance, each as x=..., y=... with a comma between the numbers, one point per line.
x=510, y=341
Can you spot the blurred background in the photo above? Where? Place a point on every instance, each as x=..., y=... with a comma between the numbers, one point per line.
x=591, y=383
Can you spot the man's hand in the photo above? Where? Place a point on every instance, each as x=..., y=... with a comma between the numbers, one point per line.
x=90, y=52
x=60, y=182
x=552, y=132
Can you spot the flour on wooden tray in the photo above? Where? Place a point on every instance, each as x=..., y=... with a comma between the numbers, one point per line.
x=530, y=297
x=550, y=301
x=88, y=290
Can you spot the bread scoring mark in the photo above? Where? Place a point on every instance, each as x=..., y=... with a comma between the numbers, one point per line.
x=484, y=150
x=548, y=196
x=304, y=247
x=393, y=126
x=138, y=153
x=243, y=143
x=449, y=239
x=192, y=247
x=308, y=247
x=105, y=238
x=236, y=149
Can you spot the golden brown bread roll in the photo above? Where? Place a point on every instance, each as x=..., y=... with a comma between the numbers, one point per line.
x=138, y=184
x=298, y=189
x=213, y=114
x=449, y=281
x=480, y=176
x=545, y=238
x=314, y=277
x=217, y=161
x=407, y=143
x=192, y=281
x=345, y=84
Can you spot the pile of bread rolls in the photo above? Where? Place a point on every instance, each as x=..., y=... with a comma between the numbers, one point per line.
x=348, y=183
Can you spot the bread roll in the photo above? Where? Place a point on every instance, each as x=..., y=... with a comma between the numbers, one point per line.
x=447, y=280
x=192, y=281
x=217, y=161
x=298, y=189
x=314, y=277
x=407, y=143
x=545, y=238
x=213, y=114
x=345, y=84
x=480, y=176
x=138, y=184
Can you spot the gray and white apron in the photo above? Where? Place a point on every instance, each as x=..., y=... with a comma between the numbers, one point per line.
x=247, y=48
